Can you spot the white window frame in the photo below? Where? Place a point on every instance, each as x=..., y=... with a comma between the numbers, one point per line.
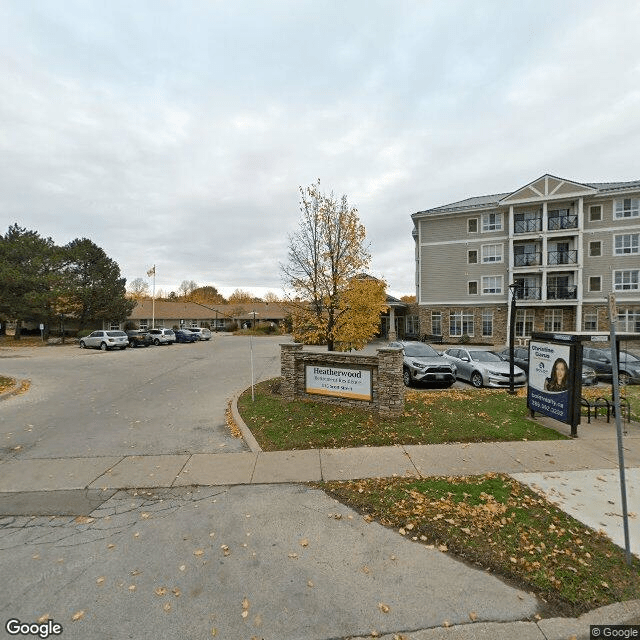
x=590, y=321
x=490, y=227
x=469, y=252
x=143, y=324
x=553, y=319
x=626, y=280
x=461, y=320
x=114, y=326
x=487, y=289
x=620, y=210
x=593, y=243
x=469, y=283
x=469, y=220
x=629, y=320
x=487, y=323
x=436, y=323
x=599, y=289
x=492, y=253
x=412, y=322
x=525, y=319
x=626, y=244
x=592, y=209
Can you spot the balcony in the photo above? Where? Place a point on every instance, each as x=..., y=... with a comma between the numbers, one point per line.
x=524, y=292
x=530, y=225
x=557, y=223
x=528, y=259
x=562, y=292
x=568, y=256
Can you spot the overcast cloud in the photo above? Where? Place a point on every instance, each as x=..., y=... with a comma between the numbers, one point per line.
x=178, y=133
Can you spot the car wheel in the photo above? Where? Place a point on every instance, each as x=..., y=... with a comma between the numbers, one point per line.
x=476, y=379
x=623, y=378
x=132, y=344
x=406, y=377
x=82, y=344
x=103, y=346
x=156, y=342
x=123, y=348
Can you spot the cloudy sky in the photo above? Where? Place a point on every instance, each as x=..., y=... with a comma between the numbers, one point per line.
x=178, y=133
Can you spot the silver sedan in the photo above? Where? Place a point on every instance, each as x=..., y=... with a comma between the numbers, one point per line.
x=484, y=368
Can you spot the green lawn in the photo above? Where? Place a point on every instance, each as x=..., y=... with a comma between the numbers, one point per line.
x=504, y=527
x=430, y=417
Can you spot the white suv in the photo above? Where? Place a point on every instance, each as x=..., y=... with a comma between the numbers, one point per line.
x=202, y=332
x=162, y=336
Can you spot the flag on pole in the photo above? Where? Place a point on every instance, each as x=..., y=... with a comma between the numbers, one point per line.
x=152, y=271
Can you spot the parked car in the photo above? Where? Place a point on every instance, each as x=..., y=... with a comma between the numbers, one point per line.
x=185, y=336
x=162, y=336
x=600, y=360
x=484, y=368
x=138, y=338
x=422, y=363
x=202, y=332
x=521, y=359
x=105, y=340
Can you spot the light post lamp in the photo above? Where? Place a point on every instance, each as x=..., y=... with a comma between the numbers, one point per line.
x=251, y=350
x=513, y=288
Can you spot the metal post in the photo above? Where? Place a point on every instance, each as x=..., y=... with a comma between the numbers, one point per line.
x=616, y=408
x=512, y=326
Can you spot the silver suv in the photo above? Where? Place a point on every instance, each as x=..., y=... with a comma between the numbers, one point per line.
x=162, y=336
x=422, y=363
x=202, y=332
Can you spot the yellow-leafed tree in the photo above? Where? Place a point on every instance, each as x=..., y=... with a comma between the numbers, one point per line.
x=329, y=303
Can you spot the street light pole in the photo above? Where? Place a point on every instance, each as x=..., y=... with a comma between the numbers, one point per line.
x=512, y=329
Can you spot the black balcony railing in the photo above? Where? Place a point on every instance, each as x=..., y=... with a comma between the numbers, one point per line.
x=569, y=256
x=527, y=259
x=528, y=293
x=563, y=222
x=527, y=226
x=562, y=292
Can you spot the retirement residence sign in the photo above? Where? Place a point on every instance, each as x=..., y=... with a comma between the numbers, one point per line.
x=340, y=382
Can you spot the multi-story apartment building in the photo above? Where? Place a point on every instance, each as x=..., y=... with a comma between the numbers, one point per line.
x=564, y=244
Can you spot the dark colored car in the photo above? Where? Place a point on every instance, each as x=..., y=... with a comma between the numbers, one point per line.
x=422, y=363
x=600, y=360
x=139, y=338
x=185, y=336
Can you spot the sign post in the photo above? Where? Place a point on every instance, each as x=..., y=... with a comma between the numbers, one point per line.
x=613, y=317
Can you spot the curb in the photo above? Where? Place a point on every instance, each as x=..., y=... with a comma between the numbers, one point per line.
x=244, y=429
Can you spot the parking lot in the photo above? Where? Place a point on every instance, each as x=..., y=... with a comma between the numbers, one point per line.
x=156, y=400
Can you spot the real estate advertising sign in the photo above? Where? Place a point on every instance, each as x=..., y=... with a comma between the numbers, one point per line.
x=550, y=390
x=341, y=382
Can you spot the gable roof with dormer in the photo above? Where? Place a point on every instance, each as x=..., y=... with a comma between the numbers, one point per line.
x=547, y=187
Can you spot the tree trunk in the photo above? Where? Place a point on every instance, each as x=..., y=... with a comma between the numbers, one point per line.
x=18, y=334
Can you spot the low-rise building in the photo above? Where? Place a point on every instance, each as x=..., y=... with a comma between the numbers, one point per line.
x=561, y=245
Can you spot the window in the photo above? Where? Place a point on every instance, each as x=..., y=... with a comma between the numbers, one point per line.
x=491, y=253
x=491, y=222
x=472, y=256
x=472, y=225
x=625, y=244
x=626, y=280
x=460, y=323
x=114, y=326
x=626, y=208
x=487, y=323
x=595, y=283
x=629, y=320
x=553, y=320
x=527, y=221
x=412, y=324
x=590, y=321
x=473, y=287
x=595, y=213
x=436, y=323
x=144, y=324
x=595, y=248
x=524, y=323
x=491, y=284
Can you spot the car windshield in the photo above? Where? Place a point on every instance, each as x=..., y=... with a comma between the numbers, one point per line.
x=485, y=356
x=420, y=350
